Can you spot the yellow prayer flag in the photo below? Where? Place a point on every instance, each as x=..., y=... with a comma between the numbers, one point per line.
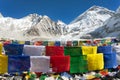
x=89, y=50
x=95, y=61
x=3, y=64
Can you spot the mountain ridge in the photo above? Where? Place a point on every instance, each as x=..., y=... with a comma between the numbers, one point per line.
x=37, y=27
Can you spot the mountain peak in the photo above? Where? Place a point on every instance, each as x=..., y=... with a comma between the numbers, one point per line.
x=118, y=10
x=34, y=15
x=1, y=15
x=60, y=22
x=93, y=11
x=45, y=16
x=97, y=8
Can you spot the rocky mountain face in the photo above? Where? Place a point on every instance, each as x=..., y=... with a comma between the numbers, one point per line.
x=96, y=22
x=45, y=28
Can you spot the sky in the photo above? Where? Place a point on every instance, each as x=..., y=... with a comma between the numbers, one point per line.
x=64, y=10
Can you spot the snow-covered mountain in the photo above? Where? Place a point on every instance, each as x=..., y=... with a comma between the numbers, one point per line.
x=87, y=22
x=30, y=27
x=95, y=22
x=111, y=27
